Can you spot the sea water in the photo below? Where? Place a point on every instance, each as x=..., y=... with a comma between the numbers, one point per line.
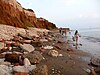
x=91, y=34
x=90, y=40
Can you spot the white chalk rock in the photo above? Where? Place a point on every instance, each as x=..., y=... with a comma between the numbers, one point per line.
x=26, y=62
x=60, y=55
x=27, y=47
x=53, y=53
x=48, y=47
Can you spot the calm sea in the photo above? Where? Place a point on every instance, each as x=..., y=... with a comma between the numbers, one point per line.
x=91, y=34
x=91, y=41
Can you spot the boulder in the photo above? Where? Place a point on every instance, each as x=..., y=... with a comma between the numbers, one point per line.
x=53, y=53
x=34, y=57
x=42, y=70
x=27, y=47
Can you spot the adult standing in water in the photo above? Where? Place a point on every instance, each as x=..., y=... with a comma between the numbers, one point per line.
x=76, y=36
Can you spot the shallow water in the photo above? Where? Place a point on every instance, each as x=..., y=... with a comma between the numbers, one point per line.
x=90, y=40
x=90, y=47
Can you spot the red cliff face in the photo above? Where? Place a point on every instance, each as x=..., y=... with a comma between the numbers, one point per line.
x=12, y=13
x=43, y=23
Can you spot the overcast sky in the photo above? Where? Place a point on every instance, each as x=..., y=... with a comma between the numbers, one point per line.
x=67, y=13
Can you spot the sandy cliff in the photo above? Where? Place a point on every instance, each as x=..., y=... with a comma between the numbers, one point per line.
x=12, y=13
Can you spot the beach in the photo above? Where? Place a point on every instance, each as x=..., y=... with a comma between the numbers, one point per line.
x=54, y=50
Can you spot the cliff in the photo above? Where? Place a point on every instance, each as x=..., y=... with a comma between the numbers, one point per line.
x=12, y=13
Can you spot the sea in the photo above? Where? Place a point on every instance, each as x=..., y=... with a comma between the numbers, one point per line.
x=90, y=40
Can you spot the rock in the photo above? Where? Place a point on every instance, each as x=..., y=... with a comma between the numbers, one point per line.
x=27, y=41
x=26, y=62
x=27, y=47
x=2, y=45
x=34, y=57
x=48, y=47
x=43, y=40
x=13, y=58
x=5, y=70
x=95, y=61
x=42, y=70
x=60, y=55
x=53, y=53
x=23, y=68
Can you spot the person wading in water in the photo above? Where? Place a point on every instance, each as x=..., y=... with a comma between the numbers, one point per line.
x=76, y=36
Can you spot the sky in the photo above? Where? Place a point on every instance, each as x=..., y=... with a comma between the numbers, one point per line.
x=67, y=13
